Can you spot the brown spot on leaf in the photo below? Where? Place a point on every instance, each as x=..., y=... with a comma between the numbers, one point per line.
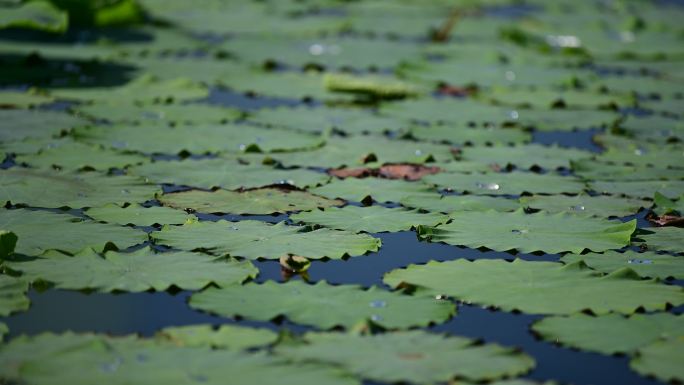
x=405, y=171
x=667, y=220
x=411, y=356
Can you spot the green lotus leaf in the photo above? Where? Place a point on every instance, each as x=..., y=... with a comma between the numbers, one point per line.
x=673, y=106
x=610, y=333
x=279, y=84
x=599, y=206
x=416, y=356
x=662, y=359
x=226, y=173
x=662, y=157
x=455, y=203
x=527, y=233
x=655, y=128
x=230, y=337
x=16, y=99
x=664, y=238
x=82, y=359
x=364, y=150
x=480, y=114
x=538, y=287
x=646, y=264
x=454, y=134
x=269, y=200
x=3, y=330
x=256, y=239
x=323, y=305
x=548, y=98
x=525, y=156
x=27, y=187
x=145, y=89
x=513, y=183
x=374, y=86
x=593, y=170
x=664, y=205
x=39, y=15
x=136, y=271
x=8, y=242
x=373, y=219
x=380, y=190
x=334, y=53
x=39, y=231
x=23, y=124
x=160, y=113
x=138, y=215
x=13, y=295
x=640, y=188
x=76, y=156
x=198, y=139
x=321, y=118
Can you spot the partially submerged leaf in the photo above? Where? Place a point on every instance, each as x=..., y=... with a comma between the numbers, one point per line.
x=13, y=295
x=646, y=264
x=138, y=215
x=230, y=337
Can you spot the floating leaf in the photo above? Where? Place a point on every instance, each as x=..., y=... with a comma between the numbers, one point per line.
x=39, y=231
x=225, y=173
x=664, y=205
x=323, y=305
x=527, y=233
x=40, y=15
x=380, y=190
x=15, y=99
x=197, y=139
x=230, y=337
x=664, y=238
x=76, y=156
x=600, y=205
x=371, y=219
x=255, y=239
x=416, y=356
x=27, y=187
x=137, y=271
x=269, y=200
x=647, y=264
x=639, y=189
x=513, y=183
x=455, y=203
x=138, y=215
x=82, y=359
x=35, y=124
x=161, y=113
x=538, y=287
x=525, y=156
x=380, y=87
x=13, y=295
x=454, y=134
x=610, y=333
x=662, y=359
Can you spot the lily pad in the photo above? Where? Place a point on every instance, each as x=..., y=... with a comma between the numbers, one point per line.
x=454, y=134
x=548, y=98
x=161, y=113
x=664, y=239
x=610, y=333
x=255, y=239
x=8, y=242
x=80, y=359
x=226, y=173
x=455, y=203
x=373, y=86
x=525, y=156
x=145, y=89
x=16, y=99
x=380, y=190
x=371, y=219
x=39, y=15
x=664, y=205
x=27, y=187
x=13, y=295
x=323, y=305
x=136, y=271
x=538, y=287
x=76, y=156
x=23, y=124
x=267, y=200
x=230, y=337
x=662, y=359
x=513, y=183
x=646, y=264
x=39, y=231
x=197, y=139
x=527, y=233
x=640, y=188
x=599, y=206
x=416, y=357
x=139, y=215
